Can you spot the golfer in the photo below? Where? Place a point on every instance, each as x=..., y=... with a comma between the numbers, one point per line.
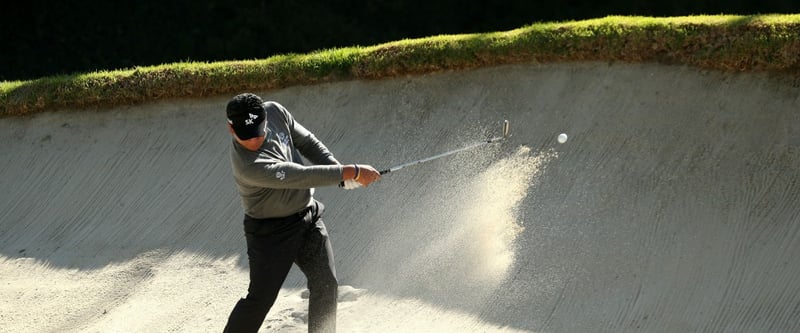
x=282, y=223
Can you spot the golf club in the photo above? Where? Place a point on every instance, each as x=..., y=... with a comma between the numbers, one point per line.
x=482, y=143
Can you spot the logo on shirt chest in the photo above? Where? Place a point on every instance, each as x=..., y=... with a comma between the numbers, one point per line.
x=283, y=139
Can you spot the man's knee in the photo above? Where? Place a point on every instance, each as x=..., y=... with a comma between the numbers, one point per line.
x=323, y=282
x=260, y=294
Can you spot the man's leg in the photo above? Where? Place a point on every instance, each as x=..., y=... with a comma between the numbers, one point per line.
x=316, y=261
x=271, y=249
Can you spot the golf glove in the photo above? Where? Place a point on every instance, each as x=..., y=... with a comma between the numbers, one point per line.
x=351, y=184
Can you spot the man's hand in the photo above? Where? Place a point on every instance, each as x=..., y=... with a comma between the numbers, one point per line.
x=358, y=175
x=367, y=174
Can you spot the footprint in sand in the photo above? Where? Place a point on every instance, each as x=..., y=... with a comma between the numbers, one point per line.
x=346, y=293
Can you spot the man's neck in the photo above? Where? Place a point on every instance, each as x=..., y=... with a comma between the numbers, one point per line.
x=250, y=145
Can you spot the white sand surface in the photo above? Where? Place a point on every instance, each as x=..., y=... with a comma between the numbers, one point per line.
x=673, y=207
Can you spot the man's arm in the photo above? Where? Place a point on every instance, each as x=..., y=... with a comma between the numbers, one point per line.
x=289, y=175
x=316, y=152
x=312, y=148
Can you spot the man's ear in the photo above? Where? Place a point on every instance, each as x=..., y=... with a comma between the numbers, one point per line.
x=230, y=129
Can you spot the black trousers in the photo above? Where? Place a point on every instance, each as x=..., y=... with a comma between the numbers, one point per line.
x=272, y=246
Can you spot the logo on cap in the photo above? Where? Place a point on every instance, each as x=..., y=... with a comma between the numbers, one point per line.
x=250, y=121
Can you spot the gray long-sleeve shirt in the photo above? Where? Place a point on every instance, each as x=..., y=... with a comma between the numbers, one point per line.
x=273, y=181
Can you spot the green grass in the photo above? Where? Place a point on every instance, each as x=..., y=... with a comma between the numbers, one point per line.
x=759, y=43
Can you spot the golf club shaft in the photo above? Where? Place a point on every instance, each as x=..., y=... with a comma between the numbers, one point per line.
x=398, y=167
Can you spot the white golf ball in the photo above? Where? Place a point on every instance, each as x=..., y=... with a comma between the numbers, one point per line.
x=562, y=138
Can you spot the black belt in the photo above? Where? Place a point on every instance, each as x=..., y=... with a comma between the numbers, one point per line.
x=294, y=217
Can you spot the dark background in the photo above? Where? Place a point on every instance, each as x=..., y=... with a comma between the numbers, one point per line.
x=42, y=38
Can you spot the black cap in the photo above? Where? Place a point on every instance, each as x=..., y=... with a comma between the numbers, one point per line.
x=246, y=114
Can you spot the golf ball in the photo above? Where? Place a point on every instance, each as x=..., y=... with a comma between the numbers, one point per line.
x=562, y=138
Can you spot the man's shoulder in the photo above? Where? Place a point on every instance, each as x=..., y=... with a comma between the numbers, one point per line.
x=275, y=109
x=271, y=104
x=274, y=106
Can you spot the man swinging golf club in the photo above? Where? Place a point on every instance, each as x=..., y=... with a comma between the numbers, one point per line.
x=282, y=221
